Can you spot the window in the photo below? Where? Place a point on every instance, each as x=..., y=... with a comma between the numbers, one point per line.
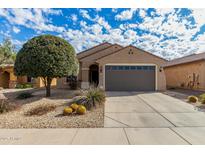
x=151, y=68
x=127, y=67
x=121, y=68
x=145, y=67
x=139, y=67
x=114, y=67
x=133, y=67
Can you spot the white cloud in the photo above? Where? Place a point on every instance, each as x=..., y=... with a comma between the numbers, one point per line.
x=52, y=11
x=128, y=26
x=16, y=30
x=97, y=19
x=125, y=15
x=142, y=13
x=85, y=14
x=167, y=35
x=17, y=43
x=101, y=21
x=74, y=17
x=97, y=29
x=98, y=9
x=179, y=41
x=31, y=18
x=5, y=34
x=199, y=16
x=114, y=10
x=163, y=12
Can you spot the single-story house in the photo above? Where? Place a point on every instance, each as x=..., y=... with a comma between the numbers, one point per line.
x=116, y=68
x=9, y=80
x=186, y=72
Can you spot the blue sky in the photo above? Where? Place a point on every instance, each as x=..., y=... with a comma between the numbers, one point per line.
x=169, y=33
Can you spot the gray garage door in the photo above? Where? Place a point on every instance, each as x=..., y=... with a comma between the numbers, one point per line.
x=130, y=78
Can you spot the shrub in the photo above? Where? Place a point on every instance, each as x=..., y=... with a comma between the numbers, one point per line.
x=24, y=86
x=24, y=95
x=28, y=85
x=96, y=95
x=5, y=106
x=67, y=110
x=81, y=109
x=202, y=98
x=192, y=99
x=40, y=110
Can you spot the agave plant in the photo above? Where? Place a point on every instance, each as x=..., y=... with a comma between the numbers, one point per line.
x=96, y=95
x=91, y=97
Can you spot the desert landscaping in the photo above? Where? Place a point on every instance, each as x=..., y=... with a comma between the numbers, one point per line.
x=41, y=112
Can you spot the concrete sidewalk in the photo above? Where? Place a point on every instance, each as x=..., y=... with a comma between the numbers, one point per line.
x=104, y=136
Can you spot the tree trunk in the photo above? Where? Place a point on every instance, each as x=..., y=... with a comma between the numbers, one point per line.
x=48, y=87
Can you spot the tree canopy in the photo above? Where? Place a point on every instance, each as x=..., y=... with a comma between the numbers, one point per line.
x=7, y=52
x=48, y=57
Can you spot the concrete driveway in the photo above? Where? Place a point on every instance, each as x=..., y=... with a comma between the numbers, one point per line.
x=130, y=118
x=154, y=118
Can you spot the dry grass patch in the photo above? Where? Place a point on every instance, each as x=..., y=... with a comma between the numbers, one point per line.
x=40, y=110
x=6, y=106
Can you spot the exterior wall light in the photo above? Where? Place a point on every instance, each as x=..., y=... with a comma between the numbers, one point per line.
x=160, y=69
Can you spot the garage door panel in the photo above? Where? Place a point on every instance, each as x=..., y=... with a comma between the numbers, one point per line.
x=123, y=78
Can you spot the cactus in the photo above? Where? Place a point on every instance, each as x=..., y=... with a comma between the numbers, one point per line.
x=192, y=99
x=74, y=106
x=81, y=109
x=67, y=111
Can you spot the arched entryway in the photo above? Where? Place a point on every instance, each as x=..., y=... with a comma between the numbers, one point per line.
x=5, y=77
x=94, y=74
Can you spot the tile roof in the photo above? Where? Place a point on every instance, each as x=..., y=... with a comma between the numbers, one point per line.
x=186, y=59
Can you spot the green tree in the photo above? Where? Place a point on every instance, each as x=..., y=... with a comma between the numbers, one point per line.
x=48, y=57
x=7, y=52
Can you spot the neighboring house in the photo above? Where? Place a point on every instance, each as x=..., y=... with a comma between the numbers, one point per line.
x=9, y=80
x=116, y=68
x=186, y=72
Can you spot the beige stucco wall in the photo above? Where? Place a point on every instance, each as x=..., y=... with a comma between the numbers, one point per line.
x=121, y=56
x=38, y=83
x=61, y=83
x=138, y=57
x=86, y=62
x=179, y=75
x=13, y=80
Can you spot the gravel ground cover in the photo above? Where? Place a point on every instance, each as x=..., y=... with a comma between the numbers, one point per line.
x=53, y=119
x=183, y=94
